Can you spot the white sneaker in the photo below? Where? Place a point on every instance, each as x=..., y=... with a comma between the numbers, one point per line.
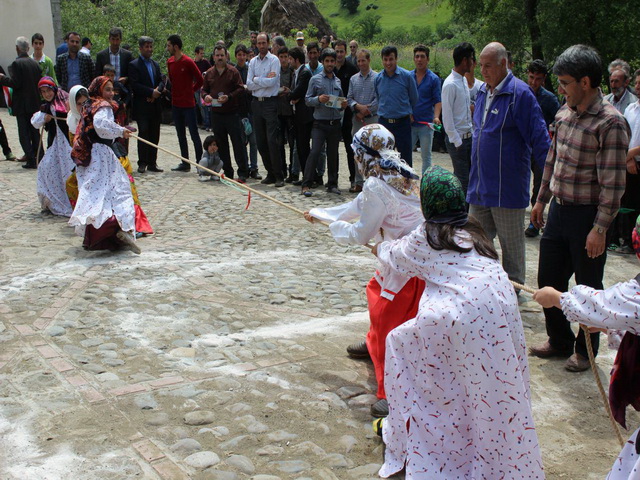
x=215, y=178
x=129, y=241
x=204, y=178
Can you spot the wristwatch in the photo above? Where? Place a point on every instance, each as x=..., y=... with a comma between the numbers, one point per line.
x=598, y=229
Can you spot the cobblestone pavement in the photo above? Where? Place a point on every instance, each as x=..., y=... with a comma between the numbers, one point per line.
x=219, y=353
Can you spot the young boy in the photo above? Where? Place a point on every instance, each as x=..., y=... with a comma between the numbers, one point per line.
x=46, y=64
x=210, y=159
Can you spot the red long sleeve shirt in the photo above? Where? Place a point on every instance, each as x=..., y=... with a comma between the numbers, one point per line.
x=186, y=79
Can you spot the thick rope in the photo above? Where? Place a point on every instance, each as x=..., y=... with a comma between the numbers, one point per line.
x=594, y=368
x=519, y=286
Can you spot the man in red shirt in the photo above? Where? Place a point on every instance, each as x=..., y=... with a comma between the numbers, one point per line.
x=223, y=88
x=186, y=79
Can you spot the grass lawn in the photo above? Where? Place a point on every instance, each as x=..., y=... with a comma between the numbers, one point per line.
x=394, y=13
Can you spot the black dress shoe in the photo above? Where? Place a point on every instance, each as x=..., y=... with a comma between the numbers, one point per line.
x=335, y=190
x=292, y=178
x=155, y=169
x=141, y=169
x=268, y=180
x=183, y=167
x=380, y=409
x=297, y=183
x=358, y=350
x=279, y=183
x=255, y=175
x=29, y=165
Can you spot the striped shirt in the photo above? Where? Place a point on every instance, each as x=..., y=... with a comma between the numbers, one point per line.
x=586, y=164
x=362, y=91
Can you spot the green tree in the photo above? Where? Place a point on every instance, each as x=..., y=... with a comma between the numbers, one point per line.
x=368, y=26
x=544, y=28
x=196, y=21
x=350, y=5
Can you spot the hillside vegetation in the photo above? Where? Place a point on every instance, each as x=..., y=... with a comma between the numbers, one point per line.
x=394, y=13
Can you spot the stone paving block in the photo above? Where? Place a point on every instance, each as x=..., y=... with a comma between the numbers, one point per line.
x=49, y=313
x=270, y=362
x=163, y=382
x=148, y=450
x=69, y=293
x=42, y=323
x=169, y=470
x=245, y=367
x=61, y=365
x=59, y=303
x=92, y=395
x=77, y=380
x=4, y=308
x=127, y=389
x=24, y=329
x=37, y=341
x=47, y=352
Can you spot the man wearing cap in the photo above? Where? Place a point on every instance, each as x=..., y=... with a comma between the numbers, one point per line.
x=300, y=43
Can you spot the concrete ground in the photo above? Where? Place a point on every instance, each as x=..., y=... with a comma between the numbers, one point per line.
x=219, y=353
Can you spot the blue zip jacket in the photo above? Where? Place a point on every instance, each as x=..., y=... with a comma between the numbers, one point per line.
x=501, y=153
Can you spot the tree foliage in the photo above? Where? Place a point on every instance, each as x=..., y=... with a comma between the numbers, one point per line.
x=545, y=28
x=196, y=21
x=367, y=27
x=350, y=5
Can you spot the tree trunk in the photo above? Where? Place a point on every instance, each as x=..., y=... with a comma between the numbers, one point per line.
x=531, y=15
x=241, y=7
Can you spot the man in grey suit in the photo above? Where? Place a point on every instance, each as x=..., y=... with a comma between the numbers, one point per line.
x=24, y=75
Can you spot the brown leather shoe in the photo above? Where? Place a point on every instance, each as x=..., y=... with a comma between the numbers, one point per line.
x=546, y=350
x=577, y=363
x=358, y=350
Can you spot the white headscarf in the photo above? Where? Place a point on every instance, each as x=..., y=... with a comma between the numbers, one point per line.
x=74, y=115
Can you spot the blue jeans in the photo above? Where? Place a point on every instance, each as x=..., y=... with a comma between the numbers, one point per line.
x=182, y=118
x=425, y=135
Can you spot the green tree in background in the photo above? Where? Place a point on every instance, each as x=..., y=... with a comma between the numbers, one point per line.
x=350, y=5
x=196, y=21
x=544, y=28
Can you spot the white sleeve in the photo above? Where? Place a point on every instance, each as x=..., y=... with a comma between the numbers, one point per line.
x=448, y=97
x=104, y=125
x=405, y=255
x=38, y=120
x=616, y=308
x=250, y=74
x=347, y=211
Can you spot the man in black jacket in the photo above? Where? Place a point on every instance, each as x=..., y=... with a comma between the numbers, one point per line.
x=24, y=75
x=303, y=115
x=116, y=56
x=145, y=80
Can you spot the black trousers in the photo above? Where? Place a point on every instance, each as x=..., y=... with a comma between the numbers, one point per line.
x=267, y=128
x=347, y=138
x=537, y=180
x=303, y=143
x=186, y=118
x=229, y=126
x=4, y=142
x=149, y=129
x=323, y=132
x=287, y=137
x=562, y=254
x=29, y=138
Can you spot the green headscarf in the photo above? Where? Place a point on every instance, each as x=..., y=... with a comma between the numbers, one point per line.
x=442, y=197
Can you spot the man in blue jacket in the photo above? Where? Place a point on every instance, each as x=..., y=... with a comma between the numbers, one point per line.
x=508, y=128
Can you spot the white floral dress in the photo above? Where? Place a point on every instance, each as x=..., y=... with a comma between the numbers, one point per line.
x=104, y=189
x=457, y=377
x=53, y=170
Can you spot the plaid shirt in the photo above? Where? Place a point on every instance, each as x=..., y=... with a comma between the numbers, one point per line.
x=362, y=91
x=586, y=164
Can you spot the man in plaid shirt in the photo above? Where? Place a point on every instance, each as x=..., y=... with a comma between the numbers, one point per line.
x=584, y=179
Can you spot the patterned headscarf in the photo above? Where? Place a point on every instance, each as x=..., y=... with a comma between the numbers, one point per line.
x=635, y=238
x=442, y=197
x=60, y=97
x=96, y=90
x=374, y=155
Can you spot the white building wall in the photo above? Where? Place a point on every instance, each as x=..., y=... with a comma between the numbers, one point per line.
x=24, y=18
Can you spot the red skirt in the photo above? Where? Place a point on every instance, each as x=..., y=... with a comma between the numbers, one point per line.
x=103, y=238
x=385, y=315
